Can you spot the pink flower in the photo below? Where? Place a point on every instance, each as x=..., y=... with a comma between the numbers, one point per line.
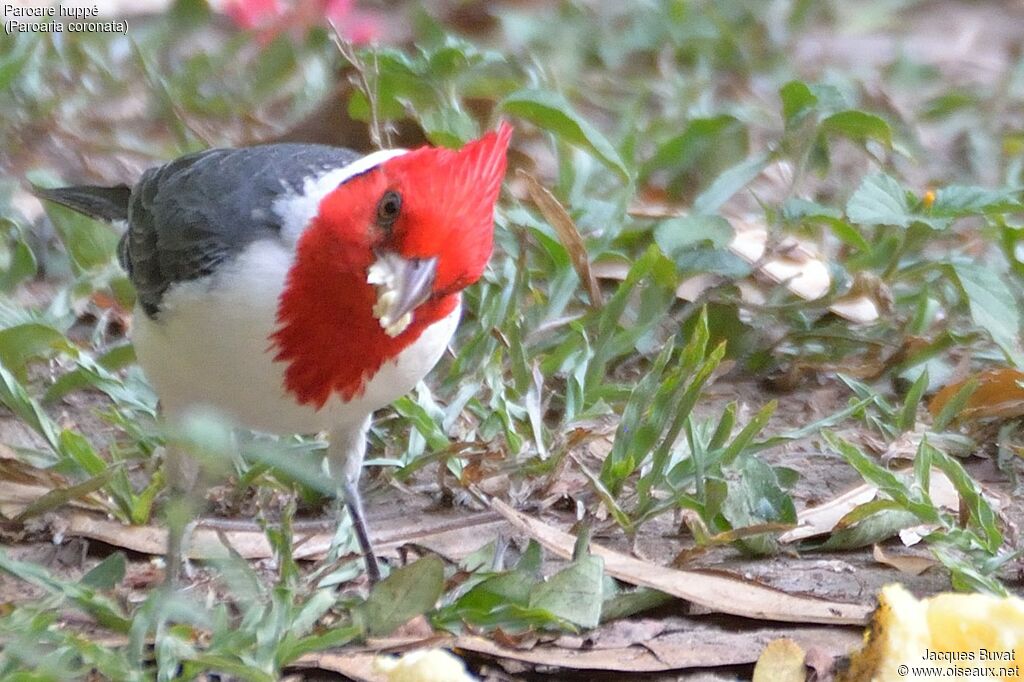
x=250, y=14
x=272, y=17
x=360, y=27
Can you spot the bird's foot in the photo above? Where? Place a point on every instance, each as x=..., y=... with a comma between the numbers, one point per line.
x=178, y=566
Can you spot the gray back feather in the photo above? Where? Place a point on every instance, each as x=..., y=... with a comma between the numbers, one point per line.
x=189, y=216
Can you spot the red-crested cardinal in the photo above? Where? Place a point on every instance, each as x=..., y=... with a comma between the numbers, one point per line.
x=299, y=288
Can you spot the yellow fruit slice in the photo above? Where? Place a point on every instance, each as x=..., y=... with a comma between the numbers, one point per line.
x=948, y=636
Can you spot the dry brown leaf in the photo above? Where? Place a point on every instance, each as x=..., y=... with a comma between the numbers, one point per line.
x=621, y=633
x=683, y=643
x=797, y=265
x=698, y=644
x=781, y=661
x=655, y=208
x=905, y=563
x=16, y=497
x=793, y=264
x=450, y=536
x=8, y=453
x=568, y=234
x=820, y=520
x=859, y=308
x=354, y=666
x=356, y=662
x=724, y=538
x=417, y=628
x=15, y=471
x=904, y=447
x=999, y=395
x=716, y=591
x=688, y=290
x=943, y=494
x=828, y=516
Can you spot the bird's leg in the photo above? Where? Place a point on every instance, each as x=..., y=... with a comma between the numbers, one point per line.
x=182, y=482
x=354, y=503
x=345, y=454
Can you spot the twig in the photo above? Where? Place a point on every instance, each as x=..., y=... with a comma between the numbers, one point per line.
x=379, y=136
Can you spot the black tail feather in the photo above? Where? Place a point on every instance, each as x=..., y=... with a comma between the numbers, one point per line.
x=101, y=203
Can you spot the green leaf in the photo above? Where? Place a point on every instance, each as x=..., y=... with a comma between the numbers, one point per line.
x=795, y=208
x=879, y=526
x=408, y=592
x=435, y=436
x=106, y=611
x=908, y=413
x=329, y=639
x=979, y=512
x=448, y=127
x=531, y=560
x=106, y=574
x=74, y=447
x=58, y=497
x=505, y=589
x=954, y=405
x=701, y=139
x=189, y=13
x=678, y=234
x=728, y=183
x=631, y=603
x=13, y=60
x=14, y=396
x=575, y=593
x=879, y=201
x=797, y=101
x=92, y=374
x=748, y=433
x=848, y=234
x=858, y=126
x=90, y=243
x=455, y=56
x=957, y=200
x=274, y=63
x=25, y=342
x=312, y=611
x=21, y=267
x=966, y=577
x=993, y=306
x=553, y=113
x=885, y=480
x=758, y=498
x=231, y=667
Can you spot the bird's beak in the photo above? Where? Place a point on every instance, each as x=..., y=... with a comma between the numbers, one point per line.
x=402, y=284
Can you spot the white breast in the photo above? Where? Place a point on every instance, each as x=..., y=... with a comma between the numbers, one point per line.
x=210, y=347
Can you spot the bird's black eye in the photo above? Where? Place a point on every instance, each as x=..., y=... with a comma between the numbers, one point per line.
x=388, y=208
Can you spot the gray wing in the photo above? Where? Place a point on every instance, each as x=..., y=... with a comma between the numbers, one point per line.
x=189, y=216
x=101, y=203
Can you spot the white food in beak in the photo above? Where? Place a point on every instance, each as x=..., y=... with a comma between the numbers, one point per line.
x=401, y=286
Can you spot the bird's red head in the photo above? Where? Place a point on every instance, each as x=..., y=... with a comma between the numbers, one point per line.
x=386, y=256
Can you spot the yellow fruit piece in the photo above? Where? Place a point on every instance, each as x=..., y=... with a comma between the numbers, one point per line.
x=781, y=661
x=948, y=636
x=423, y=665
